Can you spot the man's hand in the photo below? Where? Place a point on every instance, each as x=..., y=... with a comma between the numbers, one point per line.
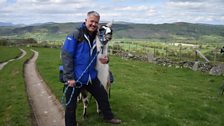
x=71, y=83
x=104, y=60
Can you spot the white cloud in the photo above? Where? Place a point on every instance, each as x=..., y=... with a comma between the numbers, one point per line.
x=119, y=0
x=132, y=8
x=34, y=11
x=185, y=5
x=201, y=11
x=29, y=11
x=222, y=18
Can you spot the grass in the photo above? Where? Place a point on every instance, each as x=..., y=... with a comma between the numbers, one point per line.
x=147, y=94
x=167, y=96
x=14, y=108
x=8, y=53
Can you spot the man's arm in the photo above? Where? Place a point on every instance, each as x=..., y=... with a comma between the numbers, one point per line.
x=67, y=59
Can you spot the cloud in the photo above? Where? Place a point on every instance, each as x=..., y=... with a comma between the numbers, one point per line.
x=186, y=0
x=201, y=5
x=141, y=11
x=133, y=8
x=185, y=5
x=25, y=11
x=201, y=11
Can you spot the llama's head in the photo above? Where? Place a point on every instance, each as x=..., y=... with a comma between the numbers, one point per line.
x=105, y=33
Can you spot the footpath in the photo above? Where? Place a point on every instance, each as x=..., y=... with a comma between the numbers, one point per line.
x=46, y=108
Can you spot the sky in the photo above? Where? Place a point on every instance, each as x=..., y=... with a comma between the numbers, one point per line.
x=135, y=11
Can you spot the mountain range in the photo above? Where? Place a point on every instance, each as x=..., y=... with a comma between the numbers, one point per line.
x=122, y=30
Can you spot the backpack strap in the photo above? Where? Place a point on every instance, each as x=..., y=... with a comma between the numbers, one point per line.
x=78, y=34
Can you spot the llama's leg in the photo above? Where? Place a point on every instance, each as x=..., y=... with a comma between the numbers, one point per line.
x=98, y=108
x=85, y=102
x=85, y=105
x=108, y=88
x=79, y=98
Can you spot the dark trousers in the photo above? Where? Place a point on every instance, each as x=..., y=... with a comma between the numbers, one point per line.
x=98, y=92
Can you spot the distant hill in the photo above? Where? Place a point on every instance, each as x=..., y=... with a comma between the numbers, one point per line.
x=164, y=31
x=125, y=30
x=10, y=24
x=51, y=28
x=6, y=24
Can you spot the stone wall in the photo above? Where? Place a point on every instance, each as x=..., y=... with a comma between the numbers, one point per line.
x=212, y=69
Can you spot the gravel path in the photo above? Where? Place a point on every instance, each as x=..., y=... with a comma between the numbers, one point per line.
x=46, y=108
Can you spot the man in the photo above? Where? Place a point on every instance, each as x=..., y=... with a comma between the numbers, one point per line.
x=77, y=54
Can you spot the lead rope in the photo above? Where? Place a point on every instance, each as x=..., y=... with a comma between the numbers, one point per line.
x=102, y=41
x=77, y=81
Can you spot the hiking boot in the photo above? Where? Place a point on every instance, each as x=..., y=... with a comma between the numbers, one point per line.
x=113, y=121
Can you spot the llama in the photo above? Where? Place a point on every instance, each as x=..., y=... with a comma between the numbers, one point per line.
x=104, y=35
x=103, y=69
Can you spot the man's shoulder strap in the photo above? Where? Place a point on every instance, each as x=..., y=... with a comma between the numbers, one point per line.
x=78, y=34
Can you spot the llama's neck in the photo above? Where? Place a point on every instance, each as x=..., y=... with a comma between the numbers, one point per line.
x=99, y=46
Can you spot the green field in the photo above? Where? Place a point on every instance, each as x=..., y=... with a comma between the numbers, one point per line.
x=14, y=108
x=8, y=53
x=147, y=94
x=143, y=93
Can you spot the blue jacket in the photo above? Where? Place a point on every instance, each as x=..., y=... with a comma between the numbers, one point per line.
x=76, y=56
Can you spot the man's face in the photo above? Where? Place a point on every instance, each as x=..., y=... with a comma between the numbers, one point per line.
x=92, y=23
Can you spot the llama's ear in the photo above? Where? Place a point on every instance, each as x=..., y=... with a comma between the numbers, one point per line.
x=109, y=24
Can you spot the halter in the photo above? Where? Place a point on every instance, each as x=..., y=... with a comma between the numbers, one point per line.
x=102, y=41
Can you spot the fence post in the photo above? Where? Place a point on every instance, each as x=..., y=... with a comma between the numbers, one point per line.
x=196, y=55
x=180, y=55
x=215, y=55
x=166, y=51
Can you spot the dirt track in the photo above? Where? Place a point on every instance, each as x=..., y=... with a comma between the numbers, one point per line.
x=46, y=108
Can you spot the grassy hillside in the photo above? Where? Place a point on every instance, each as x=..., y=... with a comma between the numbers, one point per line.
x=180, y=30
x=146, y=94
x=186, y=29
